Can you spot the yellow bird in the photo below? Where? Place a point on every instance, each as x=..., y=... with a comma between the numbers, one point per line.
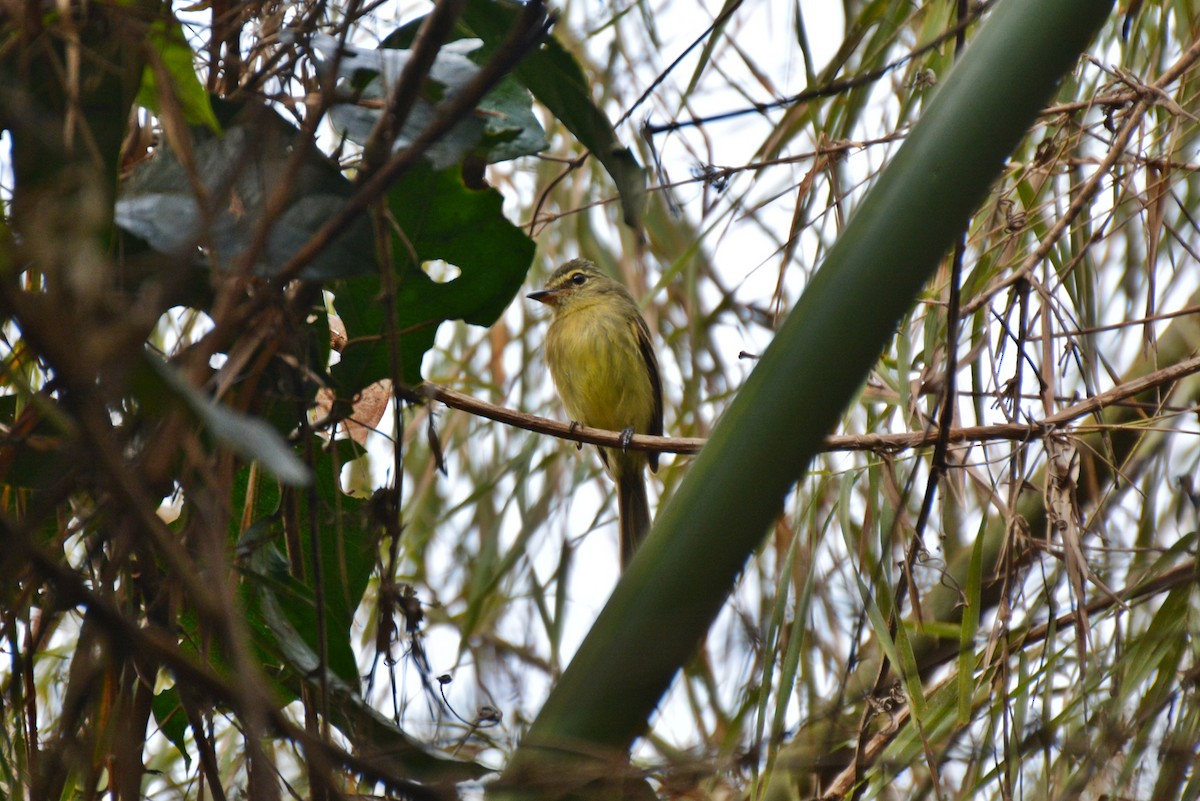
x=603, y=365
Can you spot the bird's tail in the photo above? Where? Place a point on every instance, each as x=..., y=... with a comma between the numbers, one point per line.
x=634, y=511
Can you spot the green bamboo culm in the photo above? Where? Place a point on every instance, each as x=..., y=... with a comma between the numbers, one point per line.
x=679, y=579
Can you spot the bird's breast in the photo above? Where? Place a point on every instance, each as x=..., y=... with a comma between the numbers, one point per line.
x=599, y=371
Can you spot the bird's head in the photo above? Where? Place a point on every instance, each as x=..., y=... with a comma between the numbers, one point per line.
x=576, y=283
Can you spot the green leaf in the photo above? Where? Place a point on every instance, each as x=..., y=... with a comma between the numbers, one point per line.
x=374, y=737
x=289, y=608
x=178, y=61
x=172, y=722
x=239, y=172
x=348, y=536
x=249, y=436
x=281, y=610
x=510, y=127
x=558, y=82
x=440, y=219
x=36, y=456
x=347, y=547
x=970, y=626
x=504, y=127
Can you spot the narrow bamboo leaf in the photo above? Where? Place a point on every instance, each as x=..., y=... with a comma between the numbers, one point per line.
x=899, y=649
x=970, y=626
x=705, y=55
x=791, y=666
x=911, y=677
x=1158, y=647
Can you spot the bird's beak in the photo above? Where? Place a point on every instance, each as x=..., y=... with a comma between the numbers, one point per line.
x=543, y=295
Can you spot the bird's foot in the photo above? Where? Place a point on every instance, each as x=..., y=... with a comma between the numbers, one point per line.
x=626, y=438
x=574, y=425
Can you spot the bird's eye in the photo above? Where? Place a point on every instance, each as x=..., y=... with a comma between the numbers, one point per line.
x=578, y=279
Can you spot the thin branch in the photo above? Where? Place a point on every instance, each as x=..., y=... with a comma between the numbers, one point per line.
x=570, y=431
x=1081, y=199
x=829, y=90
x=1034, y=429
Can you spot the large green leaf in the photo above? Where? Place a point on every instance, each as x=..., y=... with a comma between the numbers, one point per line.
x=172, y=721
x=239, y=172
x=440, y=219
x=558, y=82
x=346, y=541
x=503, y=128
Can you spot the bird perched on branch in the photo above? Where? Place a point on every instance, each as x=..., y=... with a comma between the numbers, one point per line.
x=603, y=364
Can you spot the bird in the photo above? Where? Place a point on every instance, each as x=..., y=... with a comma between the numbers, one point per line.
x=603, y=364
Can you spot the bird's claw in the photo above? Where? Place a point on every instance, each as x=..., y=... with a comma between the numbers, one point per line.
x=626, y=438
x=575, y=425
